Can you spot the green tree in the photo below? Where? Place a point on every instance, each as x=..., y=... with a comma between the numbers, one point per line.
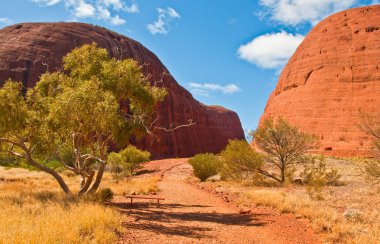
x=284, y=146
x=75, y=115
x=240, y=161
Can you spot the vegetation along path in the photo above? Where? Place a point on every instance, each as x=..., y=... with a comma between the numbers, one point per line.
x=193, y=215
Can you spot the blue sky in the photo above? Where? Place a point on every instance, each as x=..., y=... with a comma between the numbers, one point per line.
x=225, y=52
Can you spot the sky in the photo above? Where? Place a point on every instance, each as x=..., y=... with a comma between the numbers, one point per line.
x=225, y=52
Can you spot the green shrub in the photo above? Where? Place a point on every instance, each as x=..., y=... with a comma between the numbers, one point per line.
x=123, y=164
x=205, y=165
x=240, y=161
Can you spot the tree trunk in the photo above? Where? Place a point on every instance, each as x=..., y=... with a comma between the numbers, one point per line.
x=53, y=173
x=98, y=179
x=87, y=183
x=282, y=175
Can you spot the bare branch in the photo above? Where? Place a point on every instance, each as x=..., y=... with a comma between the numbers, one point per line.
x=171, y=128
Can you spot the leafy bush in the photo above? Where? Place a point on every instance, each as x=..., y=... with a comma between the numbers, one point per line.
x=240, y=161
x=123, y=164
x=205, y=165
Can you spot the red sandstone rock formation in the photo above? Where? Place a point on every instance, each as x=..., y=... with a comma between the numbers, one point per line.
x=332, y=75
x=27, y=50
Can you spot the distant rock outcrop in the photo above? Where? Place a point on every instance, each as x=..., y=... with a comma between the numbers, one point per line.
x=29, y=49
x=333, y=74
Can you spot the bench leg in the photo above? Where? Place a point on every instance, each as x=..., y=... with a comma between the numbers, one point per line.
x=131, y=200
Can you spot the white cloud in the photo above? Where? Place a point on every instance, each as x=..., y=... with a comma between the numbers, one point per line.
x=295, y=12
x=206, y=88
x=117, y=20
x=134, y=8
x=6, y=21
x=120, y=5
x=47, y=2
x=95, y=9
x=270, y=51
x=161, y=25
x=84, y=10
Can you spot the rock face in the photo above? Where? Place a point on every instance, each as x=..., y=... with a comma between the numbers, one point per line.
x=29, y=49
x=333, y=74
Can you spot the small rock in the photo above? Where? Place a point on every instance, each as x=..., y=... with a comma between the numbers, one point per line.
x=214, y=178
x=244, y=211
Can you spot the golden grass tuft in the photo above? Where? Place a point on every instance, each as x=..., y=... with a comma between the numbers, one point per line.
x=325, y=219
x=34, y=210
x=57, y=223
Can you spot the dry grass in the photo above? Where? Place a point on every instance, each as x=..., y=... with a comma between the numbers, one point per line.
x=347, y=214
x=34, y=210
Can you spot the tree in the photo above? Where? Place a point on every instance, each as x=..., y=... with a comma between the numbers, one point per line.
x=75, y=115
x=240, y=161
x=283, y=144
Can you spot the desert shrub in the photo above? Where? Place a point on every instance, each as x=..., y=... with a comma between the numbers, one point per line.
x=317, y=175
x=124, y=163
x=105, y=194
x=316, y=172
x=353, y=214
x=205, y=165
x=284, y=146
x=45, y=196
x=372, y=170
x=240, y=161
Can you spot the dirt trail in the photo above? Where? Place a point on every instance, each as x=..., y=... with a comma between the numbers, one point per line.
x=191, y=215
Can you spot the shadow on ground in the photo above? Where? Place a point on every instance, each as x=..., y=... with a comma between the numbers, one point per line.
x=167, y=219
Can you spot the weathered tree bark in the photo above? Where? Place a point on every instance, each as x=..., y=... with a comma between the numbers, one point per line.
x=87, y=183
x=53, y=173
x=99, y=177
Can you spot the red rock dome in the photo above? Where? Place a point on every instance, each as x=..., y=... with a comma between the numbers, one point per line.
x=28, y=49
x=334, y=73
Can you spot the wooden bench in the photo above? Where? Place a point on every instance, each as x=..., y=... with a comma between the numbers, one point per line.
x=143, y=197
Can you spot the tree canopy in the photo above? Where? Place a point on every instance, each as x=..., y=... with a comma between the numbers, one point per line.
x=283, y=144
x=74, y=115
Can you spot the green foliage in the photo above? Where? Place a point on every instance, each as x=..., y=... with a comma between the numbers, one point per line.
x=205, y=165
x=73, y=116
x=123, y=164
x=240, y=161
x=284, y=146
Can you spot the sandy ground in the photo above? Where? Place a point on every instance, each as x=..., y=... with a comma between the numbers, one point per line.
x=193, y=215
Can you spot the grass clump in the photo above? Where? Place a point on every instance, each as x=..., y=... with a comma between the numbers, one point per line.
x=57, y=223
x=339, y=227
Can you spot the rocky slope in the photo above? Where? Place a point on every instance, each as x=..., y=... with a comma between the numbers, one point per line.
x=29, y=49
x=333, y=74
